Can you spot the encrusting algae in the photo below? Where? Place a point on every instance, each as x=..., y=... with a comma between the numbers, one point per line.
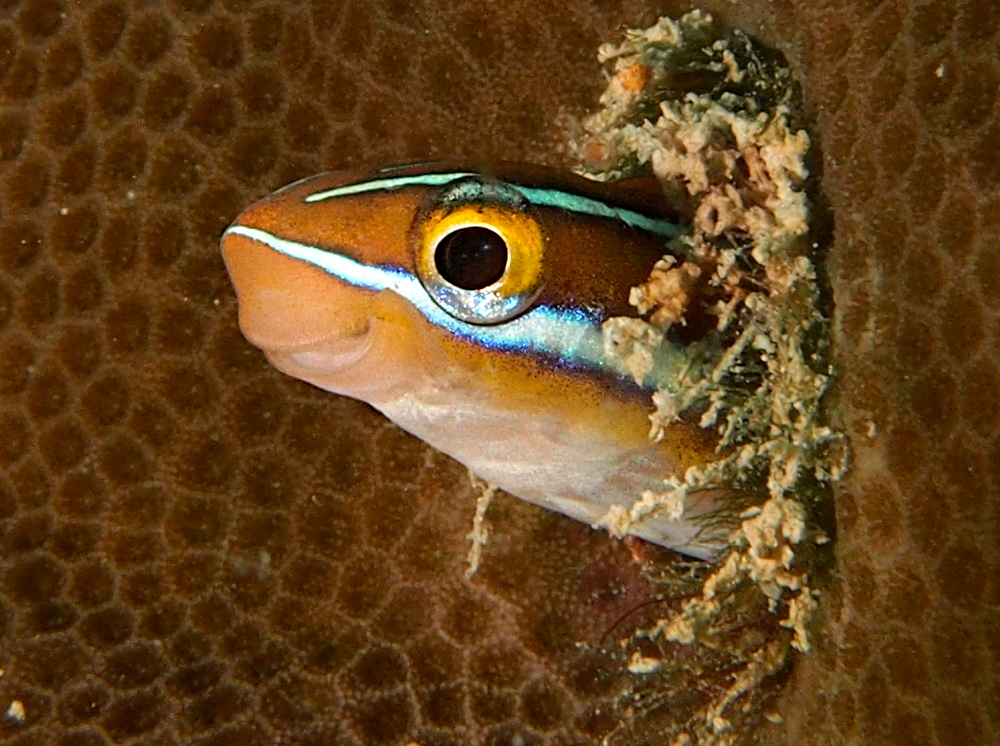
x=710, y=116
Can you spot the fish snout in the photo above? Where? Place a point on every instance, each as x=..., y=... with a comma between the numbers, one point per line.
x=286, y=304
x=320, y=328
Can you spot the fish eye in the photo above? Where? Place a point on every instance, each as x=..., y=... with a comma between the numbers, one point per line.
x=479, y=251
x=471, y=258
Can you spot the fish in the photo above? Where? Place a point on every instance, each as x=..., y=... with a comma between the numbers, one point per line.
x=466, y=304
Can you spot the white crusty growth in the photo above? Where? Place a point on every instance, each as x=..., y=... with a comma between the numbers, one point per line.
x=742, y=168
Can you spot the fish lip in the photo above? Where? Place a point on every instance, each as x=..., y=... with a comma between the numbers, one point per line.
x=330, y=353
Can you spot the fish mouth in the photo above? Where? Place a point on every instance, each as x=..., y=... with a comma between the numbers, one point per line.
x=334, y=353
x=364, y=365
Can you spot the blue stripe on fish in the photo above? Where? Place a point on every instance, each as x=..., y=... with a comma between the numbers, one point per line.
x=573, y=336
x=542, y=329
x=536, y=196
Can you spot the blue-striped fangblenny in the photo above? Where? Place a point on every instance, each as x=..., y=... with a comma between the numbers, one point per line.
x=466, y=304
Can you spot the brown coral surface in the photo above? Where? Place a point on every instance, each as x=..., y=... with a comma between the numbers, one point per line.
x=195, y=549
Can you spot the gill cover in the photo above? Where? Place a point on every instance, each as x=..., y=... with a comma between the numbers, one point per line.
x=479, y=251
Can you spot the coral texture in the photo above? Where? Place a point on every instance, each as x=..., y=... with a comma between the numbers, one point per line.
x=194, y=549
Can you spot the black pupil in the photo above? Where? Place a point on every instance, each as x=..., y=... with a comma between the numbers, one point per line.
x=471, y=258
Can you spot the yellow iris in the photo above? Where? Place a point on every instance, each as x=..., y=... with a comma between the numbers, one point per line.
x=520, y=232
